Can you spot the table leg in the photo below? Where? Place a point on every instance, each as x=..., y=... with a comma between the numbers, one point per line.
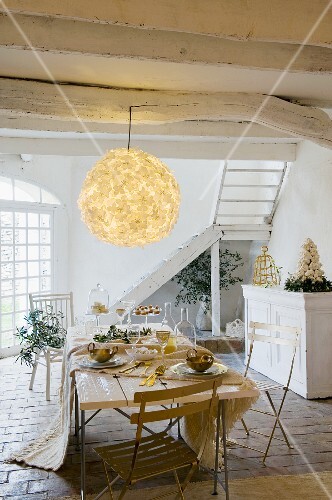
x=224, y=442
x=77, y=422
x=216, y=463
x=83, y=455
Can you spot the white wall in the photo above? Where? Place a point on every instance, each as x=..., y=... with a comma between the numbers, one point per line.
x=231, y=300
x=305, y=209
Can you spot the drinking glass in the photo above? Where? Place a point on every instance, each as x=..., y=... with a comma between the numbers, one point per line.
x=162, y=339
x=121, y=312
x=136, y=333
x=129, y=306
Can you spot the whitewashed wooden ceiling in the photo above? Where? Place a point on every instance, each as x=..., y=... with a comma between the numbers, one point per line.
x=252, y=73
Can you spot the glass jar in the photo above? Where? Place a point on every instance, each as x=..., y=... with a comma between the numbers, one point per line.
x=98, y=301
x=186, y=328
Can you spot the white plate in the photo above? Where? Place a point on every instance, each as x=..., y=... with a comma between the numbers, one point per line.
x=88, y=363
x=183, y=369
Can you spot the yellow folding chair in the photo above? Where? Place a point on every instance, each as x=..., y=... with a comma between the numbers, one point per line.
x=144, y=457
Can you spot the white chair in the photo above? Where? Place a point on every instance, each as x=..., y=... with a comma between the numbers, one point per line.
x=265, y=387
x=63, y=303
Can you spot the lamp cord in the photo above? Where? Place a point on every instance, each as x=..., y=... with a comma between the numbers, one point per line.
x=150, y=106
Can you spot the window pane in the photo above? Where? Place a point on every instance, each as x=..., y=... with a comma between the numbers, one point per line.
x=45, y=220
x=45, y=267
x=20, y=270
x=33, y=268
x=45, y=252
x=6, y=270
x=21, y=303
x=20, y=236
x=6, y=321
x=45, y=236
x=19, y=319
x=6, y=236
x=7, y=339
x=45, y=284
x=6, y=188
x=33, y=220
x=33, y=253
x=7, y=253
x=33, y=236
x=20, y=219
x=23, y=191
x=7, y=287
x=21, y=286
x=20, y=253
x=33, y=285
x=6, y=219
x=6, y=305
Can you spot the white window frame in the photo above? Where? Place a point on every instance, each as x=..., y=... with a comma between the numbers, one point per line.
x=58, y=223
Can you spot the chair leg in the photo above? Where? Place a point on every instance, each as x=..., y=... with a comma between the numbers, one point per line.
x=178, y=485
x=187, y=479
x=277, y=422
x=245, y=426
x=108, y=481
x=48, y=375
x=123, y=491
x=33, y=374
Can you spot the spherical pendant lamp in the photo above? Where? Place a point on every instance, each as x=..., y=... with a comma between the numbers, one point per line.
x=129, y=198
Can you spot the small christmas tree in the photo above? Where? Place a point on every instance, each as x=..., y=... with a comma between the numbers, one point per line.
x=309, y=276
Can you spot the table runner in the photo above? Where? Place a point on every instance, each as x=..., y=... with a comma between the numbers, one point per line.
x=49, y=450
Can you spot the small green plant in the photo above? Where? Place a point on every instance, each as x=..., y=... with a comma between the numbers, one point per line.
x=294, y=284
x=115, y=333
x=195, y=279
x=43, y=329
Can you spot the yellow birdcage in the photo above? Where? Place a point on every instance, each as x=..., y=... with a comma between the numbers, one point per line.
x=265, y=270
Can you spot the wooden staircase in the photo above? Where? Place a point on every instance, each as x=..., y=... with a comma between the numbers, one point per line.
x=171, y=265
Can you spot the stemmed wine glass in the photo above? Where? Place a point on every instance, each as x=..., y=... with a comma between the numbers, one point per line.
x=120, y=312
x=163, y=338
x=129, y=306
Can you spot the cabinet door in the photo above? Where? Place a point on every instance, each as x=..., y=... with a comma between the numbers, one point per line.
x=261, y=359
x=282, y=355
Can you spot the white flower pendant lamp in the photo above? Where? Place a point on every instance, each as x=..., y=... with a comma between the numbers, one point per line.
x=129, y=198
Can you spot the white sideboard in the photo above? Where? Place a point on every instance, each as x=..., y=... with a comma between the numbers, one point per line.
x=312, y=312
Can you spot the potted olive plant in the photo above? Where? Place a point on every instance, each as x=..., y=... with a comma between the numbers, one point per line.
x=195, y=282
x=43, y=329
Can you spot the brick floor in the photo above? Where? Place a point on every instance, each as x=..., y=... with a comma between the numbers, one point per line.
x=24, y=414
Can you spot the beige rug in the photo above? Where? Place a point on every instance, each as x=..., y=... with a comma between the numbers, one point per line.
x=305, y=487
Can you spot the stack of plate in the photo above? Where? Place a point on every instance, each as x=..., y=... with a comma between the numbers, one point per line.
x=184, y=369
x=86, y=362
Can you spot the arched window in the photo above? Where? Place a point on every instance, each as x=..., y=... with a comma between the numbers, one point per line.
x=26, y=257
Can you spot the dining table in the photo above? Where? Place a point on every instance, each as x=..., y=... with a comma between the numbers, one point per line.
x=96, y=391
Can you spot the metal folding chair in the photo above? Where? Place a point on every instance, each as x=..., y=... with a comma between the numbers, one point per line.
x=266, y=387
x=160, y=452
x=63, y=303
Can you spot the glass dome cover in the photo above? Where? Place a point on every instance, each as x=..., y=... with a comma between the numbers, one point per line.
x=98, y=301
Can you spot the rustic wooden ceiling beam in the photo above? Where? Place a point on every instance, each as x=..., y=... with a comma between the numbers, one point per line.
x=94, y=104
x=293, y=21
x=63, y=36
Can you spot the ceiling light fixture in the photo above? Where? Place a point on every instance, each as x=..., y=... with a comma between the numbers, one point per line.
x=129, y=198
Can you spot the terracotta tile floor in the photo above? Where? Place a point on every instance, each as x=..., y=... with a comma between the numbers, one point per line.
x=24, y=414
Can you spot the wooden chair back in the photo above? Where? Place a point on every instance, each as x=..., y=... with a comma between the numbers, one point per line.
x=60, y=302
x=202, y=396
x=293, y=341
